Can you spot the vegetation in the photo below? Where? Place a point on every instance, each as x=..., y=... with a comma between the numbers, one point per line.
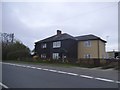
x=105, y=65
x=14, y=51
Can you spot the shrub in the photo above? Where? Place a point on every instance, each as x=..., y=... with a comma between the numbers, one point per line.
x=17, y=55
x=14, y=51
x=36, y=57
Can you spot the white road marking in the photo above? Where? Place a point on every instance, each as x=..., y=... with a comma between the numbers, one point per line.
x=8, y=63
x=46, y=69
x=39, y=68
x=22, y=65
x=3, y=85
x=63, y=72
x=86, y=76
x=52, y=70
x=33, y=67
x=117, y=81
x=28, y=66
x=108, y=80
x=74, y=74
x=14, y=64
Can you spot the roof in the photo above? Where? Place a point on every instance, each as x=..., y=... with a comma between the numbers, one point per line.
x=58, y=37
x=67, y=36
x=88, y=37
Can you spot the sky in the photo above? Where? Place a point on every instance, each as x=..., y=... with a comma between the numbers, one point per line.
x=34, y=21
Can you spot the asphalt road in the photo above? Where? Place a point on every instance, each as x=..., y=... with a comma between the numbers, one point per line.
x=32, y=76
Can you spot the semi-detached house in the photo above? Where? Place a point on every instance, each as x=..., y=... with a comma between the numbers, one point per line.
x=62, y=46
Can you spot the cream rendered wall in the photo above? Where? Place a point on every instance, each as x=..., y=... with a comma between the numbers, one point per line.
x=102, y=51
x=94, y=51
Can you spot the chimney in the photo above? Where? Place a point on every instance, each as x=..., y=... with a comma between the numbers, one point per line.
x=59, y=32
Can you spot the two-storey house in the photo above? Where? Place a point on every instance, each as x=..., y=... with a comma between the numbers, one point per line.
x=57, y=46
x=64, y=45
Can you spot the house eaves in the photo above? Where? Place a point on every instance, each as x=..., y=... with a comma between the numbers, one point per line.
x=88, y=37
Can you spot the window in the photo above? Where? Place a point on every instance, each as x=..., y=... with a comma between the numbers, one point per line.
x=43, y=55
x=55, y=55
x=57, y=44
x=87, y=43
x=43, y=45
x=87, y=56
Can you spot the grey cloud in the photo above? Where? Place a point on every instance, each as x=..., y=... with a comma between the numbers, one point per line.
x=35, y=21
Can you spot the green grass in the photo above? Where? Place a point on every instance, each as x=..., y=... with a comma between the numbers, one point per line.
x=60, y=64
x=42, y=63
x=68, y=65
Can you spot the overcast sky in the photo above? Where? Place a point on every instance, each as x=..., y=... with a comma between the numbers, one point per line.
x=33, y=21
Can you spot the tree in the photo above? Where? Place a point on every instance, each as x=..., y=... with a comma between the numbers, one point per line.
x=13, y=49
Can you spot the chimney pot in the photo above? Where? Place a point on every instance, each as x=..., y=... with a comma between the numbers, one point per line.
x=59, y=32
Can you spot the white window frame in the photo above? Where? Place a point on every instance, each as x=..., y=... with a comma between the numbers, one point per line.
x=44, y=45
x=57, y=44
x=55, y=55
x=43, y=55
x=87, y=43
x=87, y=56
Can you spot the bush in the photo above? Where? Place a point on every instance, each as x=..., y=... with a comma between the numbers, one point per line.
x=14, y=51
x=17, y=55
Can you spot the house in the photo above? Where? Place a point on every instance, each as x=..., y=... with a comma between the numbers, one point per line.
x=90, y=46
x=57, y=46
x=62, y=46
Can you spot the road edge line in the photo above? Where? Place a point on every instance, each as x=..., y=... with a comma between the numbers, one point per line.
x=3, y=85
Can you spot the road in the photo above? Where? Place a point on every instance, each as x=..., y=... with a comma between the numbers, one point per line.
x=40, y=76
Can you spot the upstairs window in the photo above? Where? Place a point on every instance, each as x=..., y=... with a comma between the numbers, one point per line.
x=43, y=45
x=57, y=44
x=87, y=43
